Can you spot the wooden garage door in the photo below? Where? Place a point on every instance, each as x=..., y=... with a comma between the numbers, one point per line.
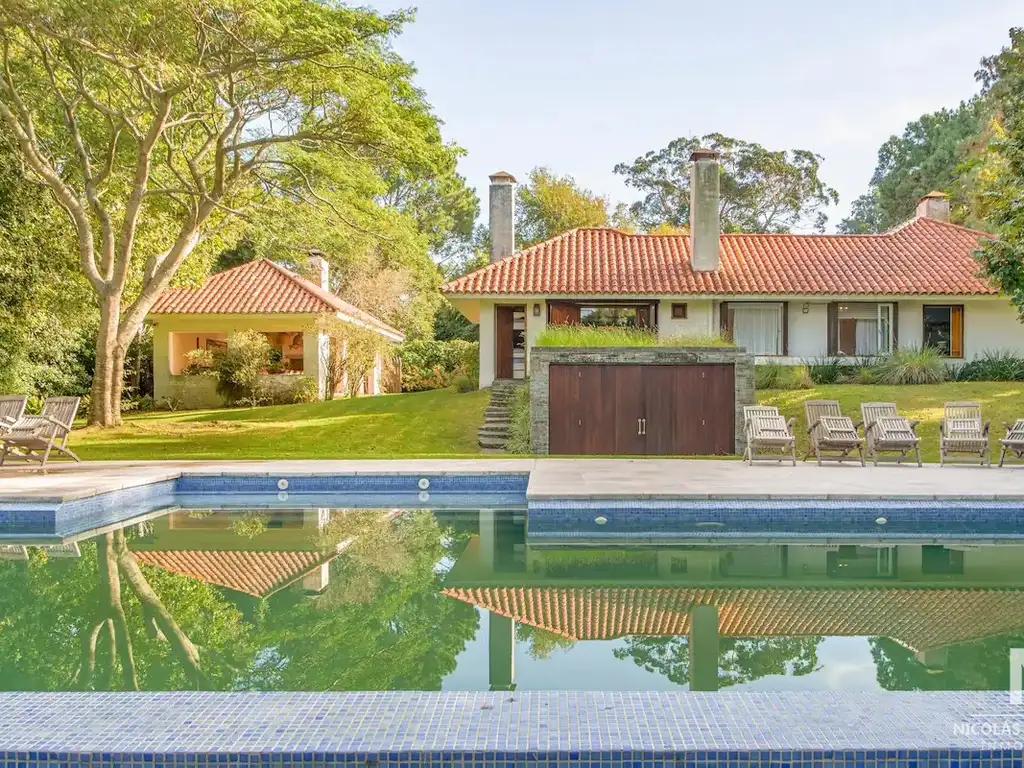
x=641, y=409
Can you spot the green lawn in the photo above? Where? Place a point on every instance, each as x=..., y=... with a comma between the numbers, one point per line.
x=444, y=423
x=1000, y=401
x=439, y=423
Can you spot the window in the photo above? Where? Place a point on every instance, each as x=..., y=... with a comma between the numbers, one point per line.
x=944, y=329
x=678, y=311
x=756, y=327
x=864, y=330
x=617, y=316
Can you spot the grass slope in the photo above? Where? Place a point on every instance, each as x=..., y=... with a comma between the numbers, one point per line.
x=439, y=423
x=444, y=423
x=1000, y=401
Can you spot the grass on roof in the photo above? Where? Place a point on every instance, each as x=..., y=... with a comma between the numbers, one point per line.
x=589, y=336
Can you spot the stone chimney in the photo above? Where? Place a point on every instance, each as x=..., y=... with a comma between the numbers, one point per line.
x=502, y=210
x=320, y=269
x=934, y=205
x=704, y=223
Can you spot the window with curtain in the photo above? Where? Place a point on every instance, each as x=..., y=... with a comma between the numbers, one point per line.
x=757, y=327
x=865, y=329
x=944, y=329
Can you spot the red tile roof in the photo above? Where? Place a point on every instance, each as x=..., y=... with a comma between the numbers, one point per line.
x=924, y=256
x=256, y=573
x=919, y=618
x=259, y=287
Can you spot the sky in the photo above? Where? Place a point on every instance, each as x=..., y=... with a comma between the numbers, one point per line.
x=580, y=86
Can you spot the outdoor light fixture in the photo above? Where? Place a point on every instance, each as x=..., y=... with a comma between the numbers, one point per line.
x=806, y=308
x=536, y=310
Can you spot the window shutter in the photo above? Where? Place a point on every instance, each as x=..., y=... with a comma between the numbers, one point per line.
x=956, y=331
x=832, y=315
x=723, y=320
x=895, y=326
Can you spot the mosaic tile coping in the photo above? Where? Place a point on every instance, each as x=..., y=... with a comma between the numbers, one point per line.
x=510, y=722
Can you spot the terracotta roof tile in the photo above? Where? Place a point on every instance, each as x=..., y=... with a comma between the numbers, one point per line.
x=924, y=256
x=259, y=287
x=256, y=573
x=919, y=618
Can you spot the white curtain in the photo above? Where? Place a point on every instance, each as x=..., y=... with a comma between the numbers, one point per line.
x=758, y=328
x=867, y=337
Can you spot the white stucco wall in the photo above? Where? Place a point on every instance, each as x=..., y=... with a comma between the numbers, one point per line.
x=486, y=343
x=699, y=318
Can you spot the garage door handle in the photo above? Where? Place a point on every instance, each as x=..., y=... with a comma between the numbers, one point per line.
x=639, y=426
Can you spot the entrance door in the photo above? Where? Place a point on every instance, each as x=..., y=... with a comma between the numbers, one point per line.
x=510, y=342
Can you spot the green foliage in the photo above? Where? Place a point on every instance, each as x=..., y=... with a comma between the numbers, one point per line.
x=990, y=365
x=925, y=157
x=1002, y=260
x=250, y=524
x=827, y=370
x=518, y=440
x=774, y=375
x=239, y=366
x=464, y=383
x=591, y=336
x=434, y=364
x=450, y=324
x=761, y=190
x=548, y=205
x=912, y=365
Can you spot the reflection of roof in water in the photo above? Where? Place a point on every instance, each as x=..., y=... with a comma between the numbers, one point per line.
x=919, y=618
x=254, y=573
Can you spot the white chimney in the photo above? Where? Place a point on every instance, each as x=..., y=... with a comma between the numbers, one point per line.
x=934, y=205
x=320, y=269
x=501, y=213
x=704, y=224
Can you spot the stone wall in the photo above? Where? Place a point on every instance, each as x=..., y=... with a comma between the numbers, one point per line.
x=541, y=358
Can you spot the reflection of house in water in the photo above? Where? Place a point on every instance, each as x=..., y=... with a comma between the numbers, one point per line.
x=284, y=548
x=925, y=597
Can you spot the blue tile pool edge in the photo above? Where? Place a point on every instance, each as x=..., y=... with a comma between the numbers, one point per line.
x=491, y=730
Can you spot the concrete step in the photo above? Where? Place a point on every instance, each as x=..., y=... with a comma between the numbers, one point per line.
x=493, y=429
x=491, y=442
x=500, y=419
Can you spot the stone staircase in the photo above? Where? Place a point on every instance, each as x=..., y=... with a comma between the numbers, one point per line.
x=493, y=433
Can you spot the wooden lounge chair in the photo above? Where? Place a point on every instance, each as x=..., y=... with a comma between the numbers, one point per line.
x=1013, y=442
x=32, y=438
x=766, y=430
x=961, y=431
x=833, y=435
x=887, y=431
x=12, y=408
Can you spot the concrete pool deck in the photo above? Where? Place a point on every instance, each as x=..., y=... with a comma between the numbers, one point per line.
x=560, y=478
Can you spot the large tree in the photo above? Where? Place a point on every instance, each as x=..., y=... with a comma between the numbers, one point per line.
x=762, y=190
x=548, y=205
x=1002, y=259
x=925, y=157
x=155, y=135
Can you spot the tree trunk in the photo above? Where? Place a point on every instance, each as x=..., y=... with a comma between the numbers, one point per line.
x=110, y=587
x=108, y=379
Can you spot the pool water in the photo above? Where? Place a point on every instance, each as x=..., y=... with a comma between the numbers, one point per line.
x=332, y=599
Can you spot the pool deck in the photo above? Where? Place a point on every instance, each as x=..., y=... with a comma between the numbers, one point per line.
x=561, y=478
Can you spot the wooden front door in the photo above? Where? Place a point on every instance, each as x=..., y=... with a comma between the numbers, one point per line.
x=641, y=409
x=507, y=340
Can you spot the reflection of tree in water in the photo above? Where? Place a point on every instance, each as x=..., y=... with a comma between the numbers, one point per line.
x=740, y=660
x=383, y=622
x=542, y=643
x=979, y=666
x=103, y=622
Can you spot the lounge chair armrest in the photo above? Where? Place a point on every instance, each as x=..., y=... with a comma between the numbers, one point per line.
x=61, y=424
x=914, y=425
x=985, y=428
x=942, y=427
x=791, y=423
x=8, y=420
x=860, y=424
x=813, y=426
x=1007, y=426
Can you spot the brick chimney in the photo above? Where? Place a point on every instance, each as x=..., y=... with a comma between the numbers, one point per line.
x=704, y=223
x=320, y=269
x=934, y=205
x=501, y=212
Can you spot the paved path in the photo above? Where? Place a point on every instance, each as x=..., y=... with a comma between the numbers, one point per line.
x=562, y=478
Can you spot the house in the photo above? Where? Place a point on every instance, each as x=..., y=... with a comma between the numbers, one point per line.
x=784, y=297
x=259, y=295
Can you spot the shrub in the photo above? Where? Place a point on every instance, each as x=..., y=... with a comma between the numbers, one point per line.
x=464, y=383
x=239, y=366
x=431, y=364
x=990, y=365
x=861, y=372
x=797, y=377
x=827, y=370
x=912, y=365
x=294, y=389
x=519, y=422
x=767, y=375
x=198, y=362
